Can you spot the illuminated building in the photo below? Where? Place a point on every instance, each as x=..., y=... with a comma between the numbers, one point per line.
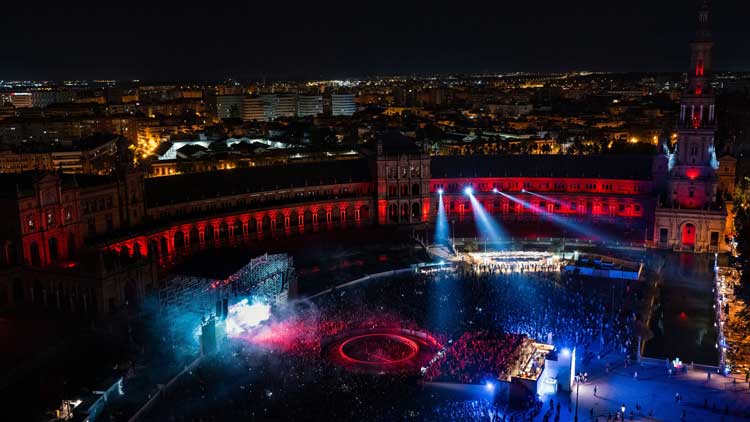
x=253, y=110
x=229, y=106
x=285, y=105
x=617, y=190
x=12, y=162
x=279, y=105
x=342, y=105
x=44, y=258
x=90, y=155
x=691, y=216
x=403, y=182
x=21, y=99
x=310, y=105
x=43, y=98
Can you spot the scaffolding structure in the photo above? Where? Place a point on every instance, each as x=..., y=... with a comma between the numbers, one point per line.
x=188, y=294
x=267, y=277
x=187, y=302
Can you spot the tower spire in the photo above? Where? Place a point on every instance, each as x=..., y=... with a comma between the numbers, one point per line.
x=704, y=21
x=695, y=158
x=700, y=60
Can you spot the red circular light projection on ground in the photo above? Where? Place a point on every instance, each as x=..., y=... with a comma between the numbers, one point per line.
x=382, y=351
x=378, y=349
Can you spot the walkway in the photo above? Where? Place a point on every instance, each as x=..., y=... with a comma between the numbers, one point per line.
x=716, y=400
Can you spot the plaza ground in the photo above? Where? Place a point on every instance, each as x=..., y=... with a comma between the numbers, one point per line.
x=687, y=316
x=654, y=390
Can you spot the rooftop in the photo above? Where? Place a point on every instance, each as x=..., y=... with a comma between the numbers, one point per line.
x=162, y=191
x=636, y=167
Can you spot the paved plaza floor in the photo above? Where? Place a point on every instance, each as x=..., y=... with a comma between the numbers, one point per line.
x=717, y=399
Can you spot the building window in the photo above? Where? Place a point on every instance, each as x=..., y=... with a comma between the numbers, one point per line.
x=714, y=239
x=663, y=236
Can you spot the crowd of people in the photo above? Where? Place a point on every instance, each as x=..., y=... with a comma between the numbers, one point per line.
x=279, y=371
x=506, y=267
x=477, y=357
x=481, y=410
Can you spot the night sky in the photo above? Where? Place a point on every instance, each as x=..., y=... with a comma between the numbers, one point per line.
x=169, y=40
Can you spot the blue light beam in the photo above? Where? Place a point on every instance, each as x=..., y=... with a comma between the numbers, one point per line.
x=587, y=232
x=441, y=225
x=486, y=225
x=546, y=198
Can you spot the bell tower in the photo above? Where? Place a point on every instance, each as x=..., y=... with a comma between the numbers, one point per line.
x=693, y=177
x=690, y=218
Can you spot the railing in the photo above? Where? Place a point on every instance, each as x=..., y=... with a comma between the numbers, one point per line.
x=563, y=241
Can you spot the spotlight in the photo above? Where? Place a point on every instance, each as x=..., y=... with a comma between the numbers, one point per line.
x=468, y=190
x=494, y=190
x=565, y=352
x=489, y=385
x=523, y=190
x=440, y=191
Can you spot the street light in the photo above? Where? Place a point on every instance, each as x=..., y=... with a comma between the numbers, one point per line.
x=578, y=384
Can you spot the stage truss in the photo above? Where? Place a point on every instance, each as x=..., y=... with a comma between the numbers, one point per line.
x=266, y=278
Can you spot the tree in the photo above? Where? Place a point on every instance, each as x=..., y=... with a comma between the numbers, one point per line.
x=741, y=211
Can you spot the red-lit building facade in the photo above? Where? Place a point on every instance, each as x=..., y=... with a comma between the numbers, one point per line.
x=616, y=191
x=99, y=242
x=46, y=257
x=690, y=215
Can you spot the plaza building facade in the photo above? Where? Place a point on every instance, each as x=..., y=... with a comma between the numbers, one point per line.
x=126, y=224
x=690, y=215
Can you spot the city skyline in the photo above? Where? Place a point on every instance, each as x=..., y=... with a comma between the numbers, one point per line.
x=235, y=213
x=172, y=41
